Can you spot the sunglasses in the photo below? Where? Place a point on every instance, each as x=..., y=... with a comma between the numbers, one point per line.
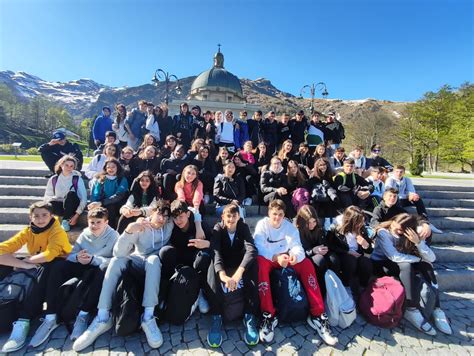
x=376, y=150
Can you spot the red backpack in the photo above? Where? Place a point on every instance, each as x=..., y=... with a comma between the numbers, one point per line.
x=382, y=302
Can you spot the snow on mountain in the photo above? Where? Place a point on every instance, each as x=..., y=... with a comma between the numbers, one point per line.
x=74, y=94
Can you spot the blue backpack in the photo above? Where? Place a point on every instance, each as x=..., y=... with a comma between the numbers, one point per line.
x=288, y=295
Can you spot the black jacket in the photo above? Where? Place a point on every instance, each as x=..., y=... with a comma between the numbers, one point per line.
x=227, y=189
x=337, y=242
x=270, y=182
x=175, y=164
x=57, y=151
x=241, y=253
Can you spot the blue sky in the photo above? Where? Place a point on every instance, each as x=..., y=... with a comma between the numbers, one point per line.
x=384, y=49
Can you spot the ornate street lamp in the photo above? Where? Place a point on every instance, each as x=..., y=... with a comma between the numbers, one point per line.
x=312, y=89
x=161, y=75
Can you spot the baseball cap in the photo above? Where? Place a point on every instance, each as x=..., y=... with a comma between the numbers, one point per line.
x=59, y=135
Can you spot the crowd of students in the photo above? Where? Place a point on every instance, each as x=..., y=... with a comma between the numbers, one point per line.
x=150, y=181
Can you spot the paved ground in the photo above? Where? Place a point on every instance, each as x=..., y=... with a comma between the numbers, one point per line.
x=290, y=339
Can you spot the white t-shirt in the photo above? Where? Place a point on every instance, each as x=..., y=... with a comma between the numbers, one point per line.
x=352, y=241
x=231, y=237
x=227, y=133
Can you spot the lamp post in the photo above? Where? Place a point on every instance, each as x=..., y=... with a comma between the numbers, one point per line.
x=312, y=89
x=161, y=75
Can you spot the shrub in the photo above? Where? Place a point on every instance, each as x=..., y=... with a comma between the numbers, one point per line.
x=7, y=148
x=416, y=167
x=33, y=151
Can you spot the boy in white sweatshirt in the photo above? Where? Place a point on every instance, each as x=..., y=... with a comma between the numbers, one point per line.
x=279, y=246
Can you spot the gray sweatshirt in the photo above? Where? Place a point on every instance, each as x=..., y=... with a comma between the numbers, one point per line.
x=385, y=248
x=99, y=247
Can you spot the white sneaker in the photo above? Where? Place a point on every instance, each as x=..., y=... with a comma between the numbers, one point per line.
x=18, y=336
x=247, y=201
x=152, y=333
x=206, y=198
x=415, y=317
x=94, y=330
x=435, y=230
x=267, y=327
x=442, y=322
x=321, y=325
x=202, y=303
x=80, y=326
x=43, y=332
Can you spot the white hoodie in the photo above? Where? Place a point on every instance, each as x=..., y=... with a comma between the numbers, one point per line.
x=270, y=241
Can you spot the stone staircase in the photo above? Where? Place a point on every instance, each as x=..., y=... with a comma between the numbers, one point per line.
x=450, y=206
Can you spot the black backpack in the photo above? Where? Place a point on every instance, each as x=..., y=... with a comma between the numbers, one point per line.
x=71, y=295
x=288, y=295
x=183, y=292
x=233, y=305
x=14, y=289
x=127, y=307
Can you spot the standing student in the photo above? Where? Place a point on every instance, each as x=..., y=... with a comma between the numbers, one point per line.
x=110, y=190
x=152, y=122
x=102, y=124
x=227, y=132
x=45, y=241
x=119, y=125
x=234, y=267
x=91, y=253
x=182, y=125
x=350, y=241
x=298, y=126
x=279, y=246
x=284, y=129
x=66, y=192
x=270, y=132
x=135, y=123
x=334, y=130
x=256, y=132
x=400, y=252
x=138, y=246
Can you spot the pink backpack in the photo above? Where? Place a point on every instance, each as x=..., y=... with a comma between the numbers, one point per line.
x=299, y=198
x=382, y=302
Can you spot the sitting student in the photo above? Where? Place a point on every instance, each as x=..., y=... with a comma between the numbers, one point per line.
x=247, y=153
x=148, y=140
x=352, y=189
x=263, y=157
x=57, y=147
x=66, y=192
x=407, y=195
x=222, y=156
x=321, y=152
x=170, y=168
x=297, y=181
x=168, y=146
x=400, y=252
x=188, y=246
x=337, y=160
x=189, y=189
x=360, y=161
x=228, y=188
x=375, y=179
x=286, y=152
x=375, y=160
x=97, y=164
x=388, y=209
x=110, y=190
x=278, y=244
x=315, y=244
x=141, y=201
x=110, y=137
x=92, y=251
x=45, y=240
x=304, y=158
x=350, y=241
x=138, y=247
x=235, y=266
x=196, y=145
x=147, y=160
x=207, y=171
x=274, y=183
x=126, y=161
x=249, y=175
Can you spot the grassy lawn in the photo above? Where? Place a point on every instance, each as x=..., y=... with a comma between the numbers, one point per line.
x=442, y=177
x=31, y=158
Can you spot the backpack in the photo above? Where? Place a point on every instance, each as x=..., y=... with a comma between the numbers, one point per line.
x=299, y=197
x=233, y=304
x=182, y=295
x=14, y=289
x=288, y=294
x=75, y=182
x=127, y=307
x=340, y=306
x=71, y=294
x=381, y=303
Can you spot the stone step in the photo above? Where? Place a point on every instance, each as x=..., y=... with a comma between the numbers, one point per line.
x=21, y=190
x=456, y=237
x=464, y=187
x=451, y=212
x=455, y=276
x=448, y=203
x=24, y=172
x=456, y=253
x=19, y=180
x=18, y=201
x=446, y=194
x=453, y=223
x=14, y=216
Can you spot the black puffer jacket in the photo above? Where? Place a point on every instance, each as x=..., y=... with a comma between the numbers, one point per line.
x=228, y=189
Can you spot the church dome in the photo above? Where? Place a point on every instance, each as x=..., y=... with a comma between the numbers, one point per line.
x=217, y=78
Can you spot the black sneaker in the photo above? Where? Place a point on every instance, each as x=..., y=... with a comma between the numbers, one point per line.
x=267, y=327
x=321, y=325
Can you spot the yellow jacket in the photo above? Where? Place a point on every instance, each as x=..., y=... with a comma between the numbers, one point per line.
x=52, y=242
